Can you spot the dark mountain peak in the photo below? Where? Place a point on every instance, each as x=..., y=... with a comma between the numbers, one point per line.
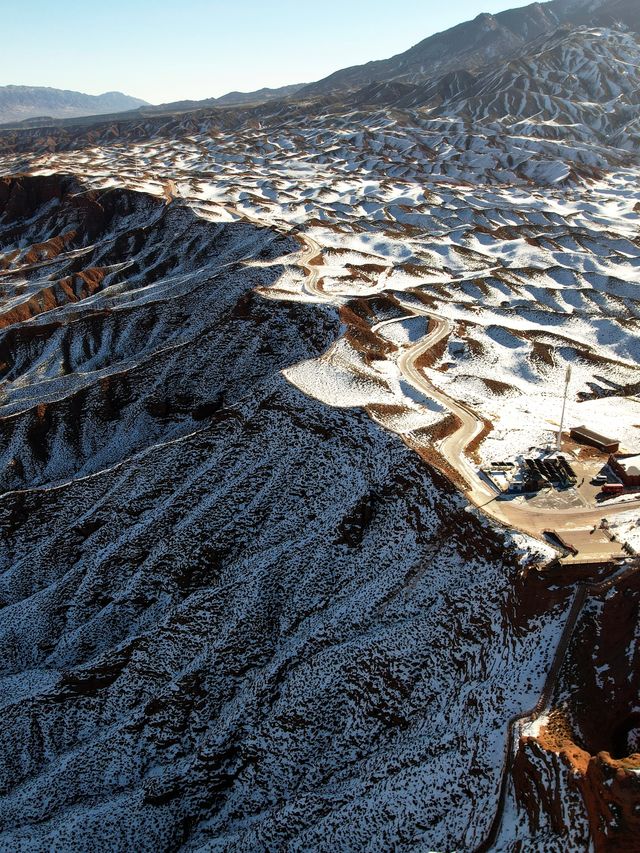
x=468, y=45
x=473, y=44
x=485, y=17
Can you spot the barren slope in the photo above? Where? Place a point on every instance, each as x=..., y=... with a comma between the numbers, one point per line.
x=232, y=619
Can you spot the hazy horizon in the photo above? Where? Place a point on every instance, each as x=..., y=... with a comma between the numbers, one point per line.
x=206, y=48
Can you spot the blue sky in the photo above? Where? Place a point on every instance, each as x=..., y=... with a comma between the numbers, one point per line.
x=167, y=50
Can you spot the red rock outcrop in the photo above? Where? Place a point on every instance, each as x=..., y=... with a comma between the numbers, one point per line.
x=582, y=768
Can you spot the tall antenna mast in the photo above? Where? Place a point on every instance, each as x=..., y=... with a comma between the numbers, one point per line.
x=564, y=407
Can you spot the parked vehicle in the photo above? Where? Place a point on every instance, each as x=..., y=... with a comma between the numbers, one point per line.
x=612, y=489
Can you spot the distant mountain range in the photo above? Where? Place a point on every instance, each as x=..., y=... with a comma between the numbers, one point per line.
x=260, y=96
x=34, y=104
x=439, y=69
x=18, y=103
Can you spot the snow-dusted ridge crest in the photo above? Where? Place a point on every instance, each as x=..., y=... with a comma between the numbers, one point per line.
x=216, y=593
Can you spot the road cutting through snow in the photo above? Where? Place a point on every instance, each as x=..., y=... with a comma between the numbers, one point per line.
x=534, y=521
x=453, y=448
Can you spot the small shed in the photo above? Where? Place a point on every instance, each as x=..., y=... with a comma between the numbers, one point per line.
x=627, y=468
x=584, y=435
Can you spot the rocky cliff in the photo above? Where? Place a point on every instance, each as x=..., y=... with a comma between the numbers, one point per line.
x=577, y=776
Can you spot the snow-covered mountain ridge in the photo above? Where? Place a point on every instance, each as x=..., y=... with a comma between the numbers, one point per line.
x=184, y=666
x=577, y=85
x=474, y=44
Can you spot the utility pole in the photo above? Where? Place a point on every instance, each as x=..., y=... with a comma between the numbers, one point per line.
x=564, y=407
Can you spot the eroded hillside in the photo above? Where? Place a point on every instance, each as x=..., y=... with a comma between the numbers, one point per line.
x=230, y=615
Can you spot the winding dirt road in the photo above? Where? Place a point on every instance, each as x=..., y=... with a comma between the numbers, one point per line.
x=531, y=520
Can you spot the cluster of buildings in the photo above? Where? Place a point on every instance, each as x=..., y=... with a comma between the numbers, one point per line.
x=622, y=471
x=539, y=473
